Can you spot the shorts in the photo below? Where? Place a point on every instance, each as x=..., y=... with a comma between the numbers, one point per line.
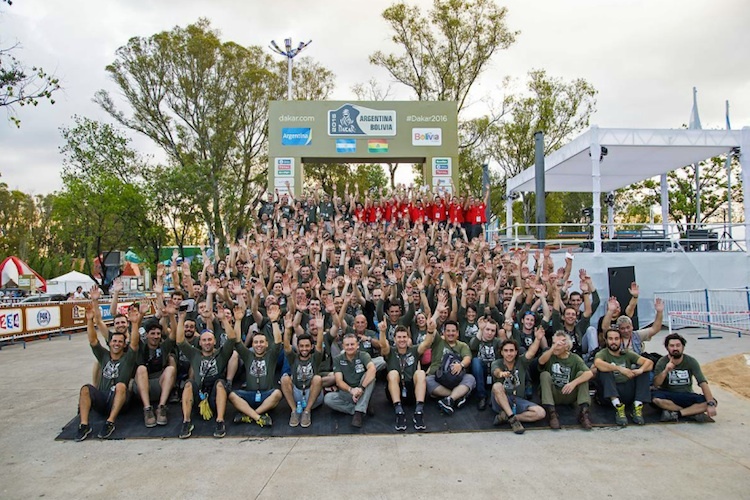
x=681, y=399
x=211, y=395
x=154, y=388
x=299, y=395
x=249, y=397
x=101, y=402
x=521, y=405
x=468, y=380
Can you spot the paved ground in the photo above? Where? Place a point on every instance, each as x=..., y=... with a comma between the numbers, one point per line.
x=39, y=395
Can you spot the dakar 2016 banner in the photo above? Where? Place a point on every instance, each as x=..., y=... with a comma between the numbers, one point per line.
x=353, y=120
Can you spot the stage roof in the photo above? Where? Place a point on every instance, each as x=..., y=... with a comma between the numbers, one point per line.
x=632, y=156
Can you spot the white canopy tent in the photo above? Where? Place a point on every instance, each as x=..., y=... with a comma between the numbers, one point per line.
x=632, y=155
x=69, y=282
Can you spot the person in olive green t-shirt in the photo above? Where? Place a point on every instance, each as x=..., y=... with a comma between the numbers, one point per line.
x=355, y=378
x=117, y=366
x=565, y=380
x=440, y=347
x=209, y=366
x=623, y=378
x=303, y=388
x=509, y=387
x=405, y=380
x=261, y=394
x=674, y=383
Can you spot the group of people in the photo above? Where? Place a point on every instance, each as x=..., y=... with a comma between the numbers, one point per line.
x=317, y=304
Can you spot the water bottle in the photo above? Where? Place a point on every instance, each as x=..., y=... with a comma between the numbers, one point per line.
x=304, y=402
x=299, y=406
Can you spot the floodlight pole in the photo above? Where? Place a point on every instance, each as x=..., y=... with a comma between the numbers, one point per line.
x=290, y=54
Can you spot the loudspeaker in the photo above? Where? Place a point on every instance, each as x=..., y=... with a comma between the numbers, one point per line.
x=113, y=259
x=620, y=279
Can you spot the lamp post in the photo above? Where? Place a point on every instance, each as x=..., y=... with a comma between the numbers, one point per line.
x=289, y=53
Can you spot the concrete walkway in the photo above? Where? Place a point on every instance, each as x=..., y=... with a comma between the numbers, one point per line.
x=39, y=393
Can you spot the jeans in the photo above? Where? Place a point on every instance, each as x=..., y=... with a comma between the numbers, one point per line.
x=343, y=402
x=636, y=389
x=480, y=372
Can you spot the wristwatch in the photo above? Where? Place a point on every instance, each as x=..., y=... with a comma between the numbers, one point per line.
x=712, y=403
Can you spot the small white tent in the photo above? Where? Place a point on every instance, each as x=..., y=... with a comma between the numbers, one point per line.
x=68, y=283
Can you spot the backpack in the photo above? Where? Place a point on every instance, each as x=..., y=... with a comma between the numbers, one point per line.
x=444, y=376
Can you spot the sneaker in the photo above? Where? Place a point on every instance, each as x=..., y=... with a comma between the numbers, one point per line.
x=107, y=429
x=637, y=415
x=461, y=402
x=174, y=397
x=241, y=418
x=620, y=418
x=703, y=418
x=554, y=420
x=357, y=419
x=187, y=430
x=516, y=426
x=148, y=417
x=446, y=406
x=264, y=420
x=83, y=432
x=419, y=421
x=400, y=421
x=500, y=418
x=305, y=420
x=669, y=416
x=294, y=419
x=585, y=419
x=482, y=404
x=221, y=429
x=161, y=415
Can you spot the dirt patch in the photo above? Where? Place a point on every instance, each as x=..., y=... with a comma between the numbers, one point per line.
x=731, y=373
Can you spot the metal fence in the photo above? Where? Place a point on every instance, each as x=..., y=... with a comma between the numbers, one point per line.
x=721, y=309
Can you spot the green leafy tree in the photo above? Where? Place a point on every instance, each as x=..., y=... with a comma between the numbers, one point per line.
x=205, y=103
x=21, y=85
x=638, y=199
x=444, y=51
x=558, y=108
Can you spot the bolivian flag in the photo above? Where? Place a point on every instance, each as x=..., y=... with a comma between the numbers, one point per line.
x=377, y=146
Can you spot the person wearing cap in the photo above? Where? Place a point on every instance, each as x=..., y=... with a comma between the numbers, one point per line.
x=674, y=385
x=208, y=366
x=156, y=374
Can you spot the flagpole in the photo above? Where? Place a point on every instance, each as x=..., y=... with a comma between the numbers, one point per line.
x=729, y=179
x=695, y=124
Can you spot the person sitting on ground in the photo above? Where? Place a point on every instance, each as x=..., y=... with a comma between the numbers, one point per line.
x=509, y=376
x=623, y=377
x=303, y=388
x=406, y=382
x=117, y=365
x=454, y=397
x=261, y=395
x=565, y=380
x=674, y=385
x=208, y=365
x=156, y=373
x=484, y=346
x=355, y=379
x=633, y=340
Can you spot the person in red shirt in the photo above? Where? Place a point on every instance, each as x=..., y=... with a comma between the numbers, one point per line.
x=440, y=211
x=417, y=212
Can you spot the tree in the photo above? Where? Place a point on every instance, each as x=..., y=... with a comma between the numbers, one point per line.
x=102, y=207
x=444, y=52
x=23, y=86
x=639, y=198
x=558, y=108
x=205, y=103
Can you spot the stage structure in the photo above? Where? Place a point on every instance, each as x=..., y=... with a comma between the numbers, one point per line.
x=301, y=132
